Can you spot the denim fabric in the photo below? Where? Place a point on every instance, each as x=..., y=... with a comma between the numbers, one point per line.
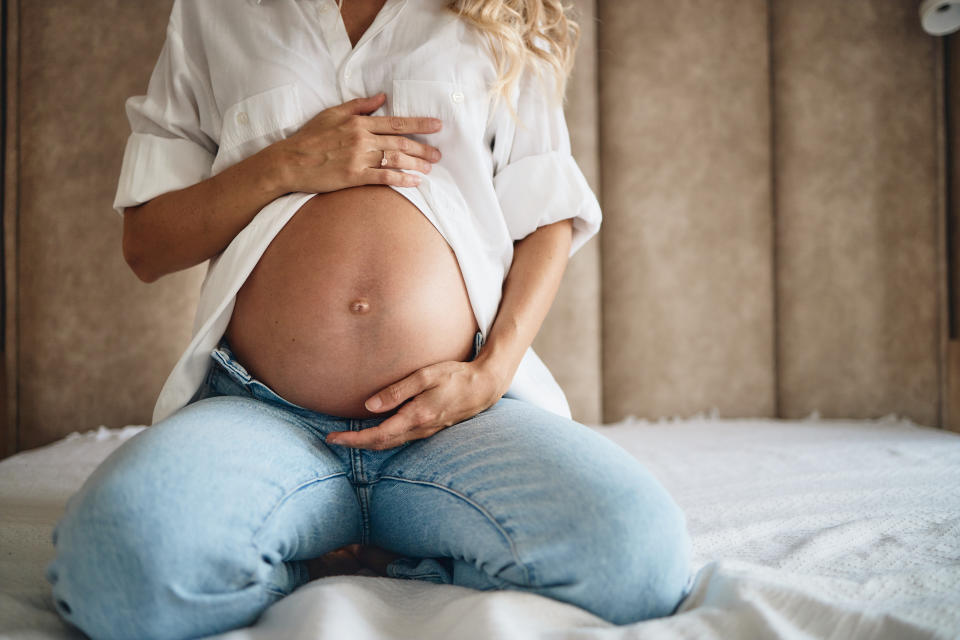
x=197, y=524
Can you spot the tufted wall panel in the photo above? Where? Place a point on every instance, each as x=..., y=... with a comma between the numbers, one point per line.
x=773, y=240
x=10, y=38
x=94, y=343
x=687, y=290
x=569, y=341
x=949, y=230
x=857, y=201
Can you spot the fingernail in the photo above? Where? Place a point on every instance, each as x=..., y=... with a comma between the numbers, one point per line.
x=373, y=403
x=332, y=439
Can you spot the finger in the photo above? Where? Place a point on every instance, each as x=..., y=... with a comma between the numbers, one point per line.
x=398, y=392
x=369, y=175
x=390, y=433
x=388, y=159
x=408, y=146
x=401, y=125
x=360, y=106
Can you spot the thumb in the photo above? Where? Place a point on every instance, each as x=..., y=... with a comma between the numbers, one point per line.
x=366, y=105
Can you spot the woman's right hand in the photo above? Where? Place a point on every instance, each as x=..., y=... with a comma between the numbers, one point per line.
x=341, y=147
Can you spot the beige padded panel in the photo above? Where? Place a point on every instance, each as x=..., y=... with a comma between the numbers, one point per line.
x=686, y=250
x=95, y=343
x=856, y=206
x=8, y=400
x=682, y=128
x=569, y=340
x=953, y=386
x=950, y=264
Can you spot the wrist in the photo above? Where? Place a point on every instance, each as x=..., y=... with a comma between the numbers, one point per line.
x=493, y=379
x=498, y=369
x=266, y=170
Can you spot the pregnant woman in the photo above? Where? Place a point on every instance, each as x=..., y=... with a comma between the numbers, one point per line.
x=386, y=197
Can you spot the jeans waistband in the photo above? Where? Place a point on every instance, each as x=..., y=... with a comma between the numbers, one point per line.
x=224, y=357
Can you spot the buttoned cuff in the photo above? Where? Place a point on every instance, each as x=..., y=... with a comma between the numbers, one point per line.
x=545, y=188
x=153, y=165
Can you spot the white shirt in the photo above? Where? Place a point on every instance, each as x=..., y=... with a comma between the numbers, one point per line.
x=236, y=76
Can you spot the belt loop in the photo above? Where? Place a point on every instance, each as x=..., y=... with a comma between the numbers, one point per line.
x=224, y=355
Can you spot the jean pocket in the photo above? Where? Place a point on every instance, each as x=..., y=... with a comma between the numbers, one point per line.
x=265, y=393
x=205, y=390
x=230, y=377
x=222, y=383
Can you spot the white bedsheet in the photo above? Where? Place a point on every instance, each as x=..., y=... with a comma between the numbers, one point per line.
x=802, y=529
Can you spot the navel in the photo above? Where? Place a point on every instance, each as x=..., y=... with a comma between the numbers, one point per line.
x=360, y=305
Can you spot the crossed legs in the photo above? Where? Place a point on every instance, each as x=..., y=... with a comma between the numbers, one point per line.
x=198, y=524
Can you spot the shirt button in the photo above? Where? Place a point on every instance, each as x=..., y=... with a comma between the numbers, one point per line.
x=456, y=96
x=323, y=7
x=347, y=73
x=243, y=119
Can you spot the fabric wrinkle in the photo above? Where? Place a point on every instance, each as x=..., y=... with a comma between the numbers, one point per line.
x=186, y=128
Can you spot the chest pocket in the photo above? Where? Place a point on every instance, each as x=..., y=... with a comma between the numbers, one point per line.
x=257, y=122
x=459, y=106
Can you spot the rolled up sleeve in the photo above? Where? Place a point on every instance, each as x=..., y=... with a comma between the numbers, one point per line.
x=169, y=147
x=541, y=183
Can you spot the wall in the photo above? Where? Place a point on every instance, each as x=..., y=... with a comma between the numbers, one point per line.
x=772, y=185
x=92, y=344
x=774, y=242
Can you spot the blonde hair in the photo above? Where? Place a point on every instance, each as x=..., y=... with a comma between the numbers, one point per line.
x=538, y=34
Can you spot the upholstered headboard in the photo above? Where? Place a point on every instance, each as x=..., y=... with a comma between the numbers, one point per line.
x=773, y=175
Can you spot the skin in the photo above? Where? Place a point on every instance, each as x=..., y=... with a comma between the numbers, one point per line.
x=336, y=149
x=356, y=291
x=341, y=147
x=445, y=393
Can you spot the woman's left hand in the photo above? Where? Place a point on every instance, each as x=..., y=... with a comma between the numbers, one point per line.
x=440, y=394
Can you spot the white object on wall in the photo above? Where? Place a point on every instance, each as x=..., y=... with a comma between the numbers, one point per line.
x=940, y=17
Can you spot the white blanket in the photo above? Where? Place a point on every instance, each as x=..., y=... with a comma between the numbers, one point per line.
x=801, y=529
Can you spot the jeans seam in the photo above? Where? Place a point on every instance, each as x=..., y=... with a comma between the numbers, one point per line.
x=527, y=571
x=289, y=494
x=280, y=502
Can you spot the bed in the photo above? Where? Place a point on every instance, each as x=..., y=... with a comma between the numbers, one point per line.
x=802, y=529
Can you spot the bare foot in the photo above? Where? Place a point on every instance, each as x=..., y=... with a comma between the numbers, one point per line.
x=351, y=560
x=375, y=558
x=340, y=562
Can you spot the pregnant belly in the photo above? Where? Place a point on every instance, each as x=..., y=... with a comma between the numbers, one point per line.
x=357, y=291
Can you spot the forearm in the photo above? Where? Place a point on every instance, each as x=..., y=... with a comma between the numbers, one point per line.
x=180, y=229
x=531, y=285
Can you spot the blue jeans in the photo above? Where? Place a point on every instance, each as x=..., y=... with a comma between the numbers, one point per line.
x=199, y=523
